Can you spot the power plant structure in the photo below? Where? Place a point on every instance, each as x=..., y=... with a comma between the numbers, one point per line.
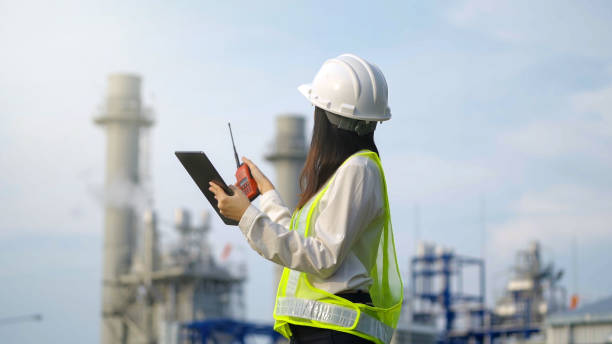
x=123, y=118
x=532, y=292
x=439, y=297
x=147, y=294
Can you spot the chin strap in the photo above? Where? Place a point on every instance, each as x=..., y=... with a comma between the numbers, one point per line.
x=358, y=126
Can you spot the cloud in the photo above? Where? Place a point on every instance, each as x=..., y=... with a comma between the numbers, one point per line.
x=473, y=12
x=585, y=133
x=570, y=159
x=597, y=102
x=554, y=216
x=426, y=178
x=571, y=27
x=560, y=138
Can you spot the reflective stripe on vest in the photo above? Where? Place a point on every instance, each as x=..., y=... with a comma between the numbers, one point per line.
x=334, y=315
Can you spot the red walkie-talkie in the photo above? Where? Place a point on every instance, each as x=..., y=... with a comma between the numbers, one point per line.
x=244, y=180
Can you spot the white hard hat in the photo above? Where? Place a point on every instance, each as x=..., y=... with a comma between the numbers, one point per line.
x=351, y=87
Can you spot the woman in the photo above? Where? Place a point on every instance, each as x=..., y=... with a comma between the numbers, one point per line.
x=341, y=282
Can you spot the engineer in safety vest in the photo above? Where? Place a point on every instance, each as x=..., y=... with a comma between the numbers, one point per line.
x=341, y=282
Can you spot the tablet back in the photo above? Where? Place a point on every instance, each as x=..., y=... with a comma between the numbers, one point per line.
x=202, y=171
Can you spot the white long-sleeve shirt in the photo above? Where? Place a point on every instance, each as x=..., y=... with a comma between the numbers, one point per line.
x=338, y=254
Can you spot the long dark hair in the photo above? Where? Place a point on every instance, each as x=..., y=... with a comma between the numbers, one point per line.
x=329, y=147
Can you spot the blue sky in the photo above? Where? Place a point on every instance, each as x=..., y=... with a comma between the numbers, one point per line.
x=509, y=102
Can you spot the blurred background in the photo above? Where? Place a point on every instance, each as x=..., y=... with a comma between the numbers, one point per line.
x=499, y=143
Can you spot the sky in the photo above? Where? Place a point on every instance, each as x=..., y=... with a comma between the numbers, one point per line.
x=501, y=131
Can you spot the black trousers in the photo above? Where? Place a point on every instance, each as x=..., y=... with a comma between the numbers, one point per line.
x=315, y=335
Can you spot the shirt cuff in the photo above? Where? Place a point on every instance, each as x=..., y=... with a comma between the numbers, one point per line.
x=248, y=218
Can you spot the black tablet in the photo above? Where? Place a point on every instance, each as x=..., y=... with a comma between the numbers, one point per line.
x=202, y=171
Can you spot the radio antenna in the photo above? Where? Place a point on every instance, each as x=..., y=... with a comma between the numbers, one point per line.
x=233, y=145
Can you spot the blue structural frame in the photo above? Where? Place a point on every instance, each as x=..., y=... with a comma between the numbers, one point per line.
x=448, y=265
x=451, y=264
x=205, y=331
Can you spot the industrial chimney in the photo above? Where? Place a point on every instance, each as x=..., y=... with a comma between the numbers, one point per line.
x=288, y=155
x=123, y=118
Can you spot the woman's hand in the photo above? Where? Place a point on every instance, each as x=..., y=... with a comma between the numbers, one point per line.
x=263, y=183
x=230, y=206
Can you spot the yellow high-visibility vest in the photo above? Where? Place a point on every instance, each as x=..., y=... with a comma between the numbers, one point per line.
x=299, y=302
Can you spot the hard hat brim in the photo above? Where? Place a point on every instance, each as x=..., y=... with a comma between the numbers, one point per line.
x=306, y=90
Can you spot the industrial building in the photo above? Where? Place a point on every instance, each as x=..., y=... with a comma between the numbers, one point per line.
x=592, y=323
x=439, y=297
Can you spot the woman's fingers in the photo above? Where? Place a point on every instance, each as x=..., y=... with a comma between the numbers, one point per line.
x=230, y=206
x=252, y=166
x=263, y=183
x=255, y=172
x=216, y=189
x=220, y=196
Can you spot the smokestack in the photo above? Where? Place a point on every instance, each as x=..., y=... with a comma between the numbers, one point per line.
x=122, y=118
x=288, y=155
